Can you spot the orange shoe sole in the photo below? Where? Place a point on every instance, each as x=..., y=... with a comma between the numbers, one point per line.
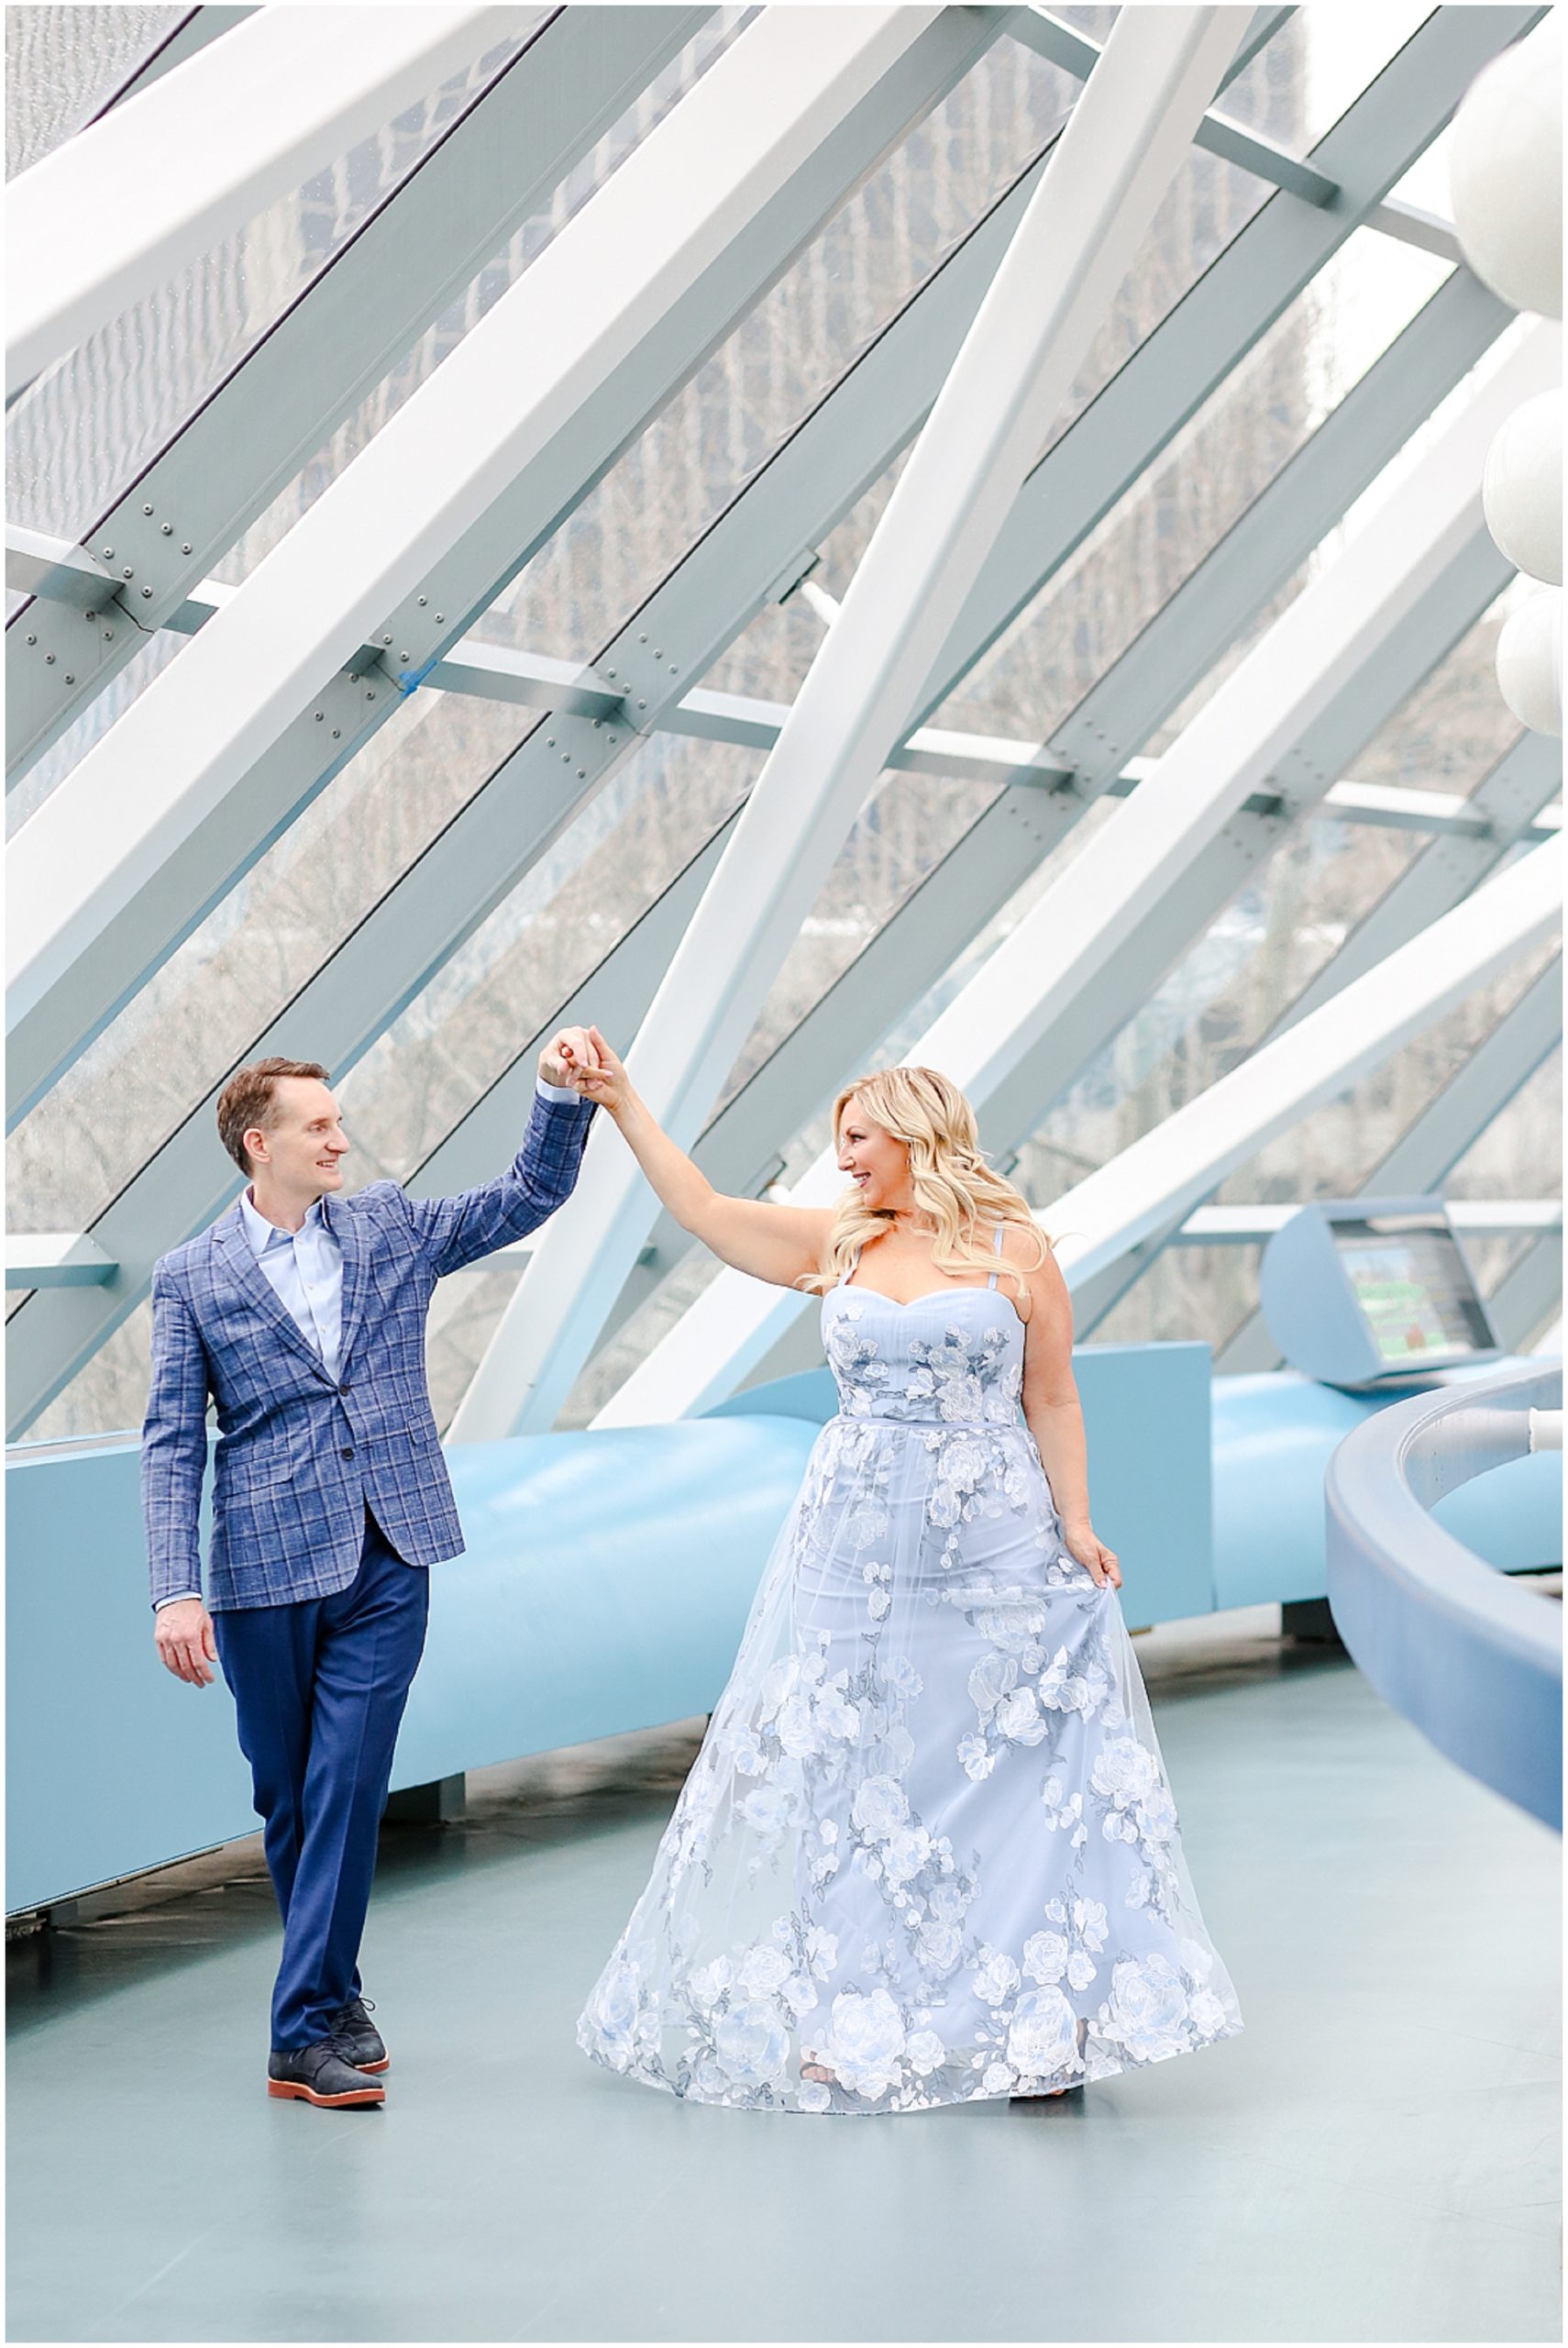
x=295, y=2091
x=384, y=2064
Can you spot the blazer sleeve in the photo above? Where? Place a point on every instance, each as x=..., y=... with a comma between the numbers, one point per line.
x=174, y=1442
x=456, y=1231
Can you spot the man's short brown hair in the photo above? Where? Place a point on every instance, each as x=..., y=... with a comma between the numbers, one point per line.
x=246, y=1101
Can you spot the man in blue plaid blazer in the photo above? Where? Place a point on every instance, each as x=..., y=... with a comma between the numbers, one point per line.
x=301, y=1313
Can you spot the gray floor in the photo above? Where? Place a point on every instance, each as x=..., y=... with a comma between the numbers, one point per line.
x=1374, y=2159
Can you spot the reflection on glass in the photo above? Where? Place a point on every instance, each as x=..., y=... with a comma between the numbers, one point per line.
x=1455, y=727
x=88, y=425
x=608, y=866
x=62, y=65
x=1239, y=441
x=500, y=273
x=1223, y=998
x=199, y=1014
x=1209, y=1292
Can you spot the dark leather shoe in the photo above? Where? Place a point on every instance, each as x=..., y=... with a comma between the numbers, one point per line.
x=320, y=2074
x=357, y=2034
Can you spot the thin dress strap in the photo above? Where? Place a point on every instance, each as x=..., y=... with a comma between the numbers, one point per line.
x=850, y=1268
x=997, y=1244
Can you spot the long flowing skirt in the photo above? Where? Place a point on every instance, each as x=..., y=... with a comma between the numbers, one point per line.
x=927, y=1853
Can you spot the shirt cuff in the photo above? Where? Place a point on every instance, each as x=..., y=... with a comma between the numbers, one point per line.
x=556, y=1092
x=173, y=1599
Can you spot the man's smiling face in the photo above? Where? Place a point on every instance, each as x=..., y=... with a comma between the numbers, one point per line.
x=299, y=1151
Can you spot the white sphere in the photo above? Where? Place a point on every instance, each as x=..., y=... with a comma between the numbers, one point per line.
x=1522, y=489
x=1506, y=172
x=1530, y=662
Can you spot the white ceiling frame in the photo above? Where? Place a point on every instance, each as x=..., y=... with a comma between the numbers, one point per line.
x=102, y=882
x=1054, y=959
x=124, y=206
x=1059, y=276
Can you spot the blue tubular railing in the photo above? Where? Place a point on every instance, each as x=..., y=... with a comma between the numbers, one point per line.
x=1474, y=1659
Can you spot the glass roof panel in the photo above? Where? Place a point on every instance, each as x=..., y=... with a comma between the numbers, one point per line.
x=879, y=249
x=1209, y=204
x=84, y=430
x=582, y=897
x=393, y=798
x=1313, y=69
x=403, y=380
x=132, y=1087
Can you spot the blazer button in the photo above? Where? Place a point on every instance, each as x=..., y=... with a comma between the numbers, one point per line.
x=344, y=1388
x=348, y=1451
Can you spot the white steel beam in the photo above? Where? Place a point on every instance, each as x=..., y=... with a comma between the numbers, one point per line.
x=1166, y=1174
x=159, y=820
x=1060, y=273
x=1192, y=1151
x=739, y=1149
x=56, y=1259
x=1077, y=481
x=493, y=165
x=481, y=671
x=1049, y=983
x=1503, y=810
x=132, y=200
x=1232, y=141
x=1431, y=1145
x=54, y=568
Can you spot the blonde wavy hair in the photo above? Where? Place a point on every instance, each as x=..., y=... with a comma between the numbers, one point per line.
x=951, y=1181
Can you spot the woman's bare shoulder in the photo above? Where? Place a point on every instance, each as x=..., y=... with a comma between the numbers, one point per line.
x=1021, y=1245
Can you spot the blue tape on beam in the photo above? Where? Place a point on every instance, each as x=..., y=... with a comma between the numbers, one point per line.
x=415, y=677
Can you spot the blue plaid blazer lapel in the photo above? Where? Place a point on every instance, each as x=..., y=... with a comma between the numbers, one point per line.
x=236, y=1252
x=346, y=1229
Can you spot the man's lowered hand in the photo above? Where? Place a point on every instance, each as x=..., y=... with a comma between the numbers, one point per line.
x=183, y=1634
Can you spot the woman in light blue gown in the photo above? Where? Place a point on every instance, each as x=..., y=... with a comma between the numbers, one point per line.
x=927, y=1853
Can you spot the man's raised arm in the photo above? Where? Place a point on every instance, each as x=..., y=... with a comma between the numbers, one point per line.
x=456, y=1231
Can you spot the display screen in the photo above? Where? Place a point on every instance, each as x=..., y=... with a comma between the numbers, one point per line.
x=1414, y=1287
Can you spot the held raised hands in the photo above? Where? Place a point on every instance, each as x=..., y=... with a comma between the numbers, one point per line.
x=598, y=1073
x=570, y=1050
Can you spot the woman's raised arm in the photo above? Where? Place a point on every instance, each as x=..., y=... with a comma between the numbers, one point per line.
x=772, y=1243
